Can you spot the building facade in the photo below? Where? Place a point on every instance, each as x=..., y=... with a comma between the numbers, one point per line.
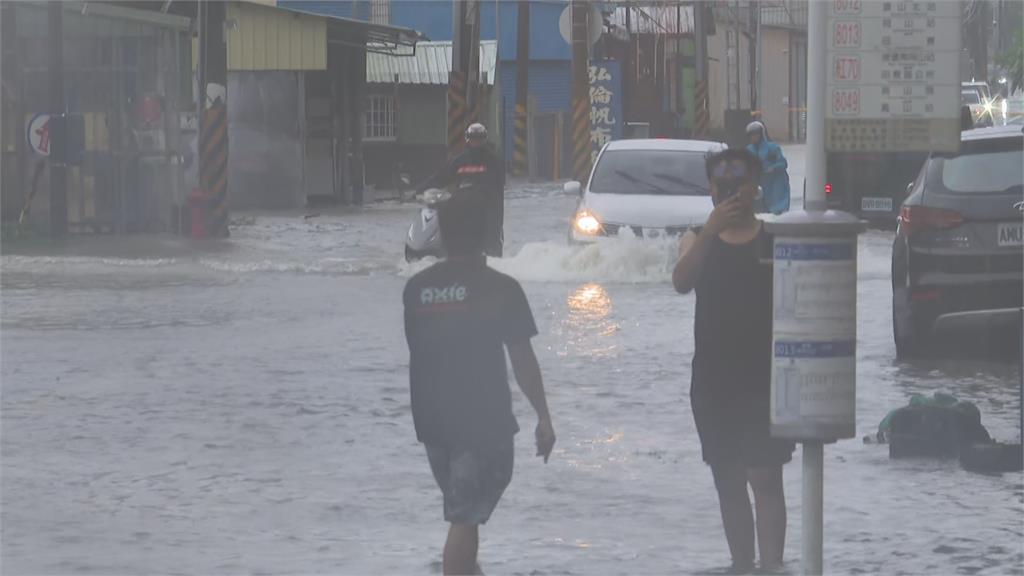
x=125, y=82
x=405, y=127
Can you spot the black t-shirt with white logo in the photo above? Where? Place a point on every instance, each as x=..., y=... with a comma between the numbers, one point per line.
x=459, y=316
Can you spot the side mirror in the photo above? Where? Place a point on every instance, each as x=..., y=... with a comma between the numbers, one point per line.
x=573, y=188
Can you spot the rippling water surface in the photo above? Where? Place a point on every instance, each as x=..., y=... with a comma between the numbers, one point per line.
x=243, y=408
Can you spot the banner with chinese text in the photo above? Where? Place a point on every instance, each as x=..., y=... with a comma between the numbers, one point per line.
x=605, y=104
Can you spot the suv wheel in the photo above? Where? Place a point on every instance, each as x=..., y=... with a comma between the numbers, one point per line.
x=909, y=344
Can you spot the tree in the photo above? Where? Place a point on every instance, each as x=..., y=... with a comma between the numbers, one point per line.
x=1013, y=61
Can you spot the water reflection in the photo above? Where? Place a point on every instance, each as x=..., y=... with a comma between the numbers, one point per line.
x=589, y=329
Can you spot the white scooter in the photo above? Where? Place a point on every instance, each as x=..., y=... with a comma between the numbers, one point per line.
x=424, y=237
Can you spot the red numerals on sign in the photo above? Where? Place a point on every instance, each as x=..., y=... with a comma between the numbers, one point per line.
x=846, y=101
x=847, y=68
x=846, y=7
x=846, y=35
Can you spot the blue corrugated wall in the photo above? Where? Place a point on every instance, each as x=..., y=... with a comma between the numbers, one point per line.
x=434, y=18
x=549, y=87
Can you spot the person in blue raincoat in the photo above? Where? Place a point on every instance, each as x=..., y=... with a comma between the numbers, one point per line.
x=774, y=178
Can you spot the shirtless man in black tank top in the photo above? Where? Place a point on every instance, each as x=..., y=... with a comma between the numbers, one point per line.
x=727, y=262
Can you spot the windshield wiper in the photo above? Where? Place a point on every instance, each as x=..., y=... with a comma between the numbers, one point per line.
x=649, y=186
x=681, y=182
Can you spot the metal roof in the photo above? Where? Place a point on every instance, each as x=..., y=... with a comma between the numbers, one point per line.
x=666, y=144
x=429, y=65
x=669, y=19
x=370, y=36
x=784, y=13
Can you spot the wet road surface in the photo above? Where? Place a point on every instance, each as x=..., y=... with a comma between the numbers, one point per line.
x=242, y=407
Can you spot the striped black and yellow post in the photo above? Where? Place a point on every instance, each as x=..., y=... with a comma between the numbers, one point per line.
x=580, y=12
x=520, y=166
x=480, y=105
x=581, y=139
x=213, y=175
x=457, y=112
x=702, y=118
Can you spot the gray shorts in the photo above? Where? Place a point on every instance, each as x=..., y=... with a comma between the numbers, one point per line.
x=472, y=480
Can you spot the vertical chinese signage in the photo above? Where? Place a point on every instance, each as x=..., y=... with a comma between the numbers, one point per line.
x=894, y=78
x=605, y=104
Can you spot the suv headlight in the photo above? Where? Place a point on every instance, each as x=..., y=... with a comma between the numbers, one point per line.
x=587, y=223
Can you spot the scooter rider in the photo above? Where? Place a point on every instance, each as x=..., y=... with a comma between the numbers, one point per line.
x=479, y=168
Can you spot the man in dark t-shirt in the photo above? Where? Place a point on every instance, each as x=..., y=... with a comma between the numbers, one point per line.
x=460, y=317
x=728, y=265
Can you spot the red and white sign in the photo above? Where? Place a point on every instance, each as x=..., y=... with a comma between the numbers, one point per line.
x=841, y=7
x=846, y=34
x=893, y=75
x=846, y=68
x=38, y=134
x=845, y=101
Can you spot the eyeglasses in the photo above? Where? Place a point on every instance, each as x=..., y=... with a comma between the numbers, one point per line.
x=729, y=170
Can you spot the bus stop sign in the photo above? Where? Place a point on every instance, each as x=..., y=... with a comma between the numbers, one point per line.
x=894, y=78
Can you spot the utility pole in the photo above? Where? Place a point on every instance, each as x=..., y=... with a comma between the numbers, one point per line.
x=702, y=116
x=519, y=162
x=57, y=124
x=754, y=45
x=465, y=73
x=580, y=90
x=737, y=34
x=213, y=122
x=473, y=88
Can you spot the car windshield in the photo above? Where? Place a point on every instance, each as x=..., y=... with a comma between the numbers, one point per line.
x=993, y=168
x=659, y=172
x=970, y=97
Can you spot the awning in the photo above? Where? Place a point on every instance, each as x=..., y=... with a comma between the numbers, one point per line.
x=376, y=38
x=125, y=11
x=429, y=65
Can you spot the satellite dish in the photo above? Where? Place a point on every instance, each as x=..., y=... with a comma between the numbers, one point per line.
x=595, y=23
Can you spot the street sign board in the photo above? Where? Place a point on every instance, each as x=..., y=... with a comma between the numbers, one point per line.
x=894, y=79
x=37, y=132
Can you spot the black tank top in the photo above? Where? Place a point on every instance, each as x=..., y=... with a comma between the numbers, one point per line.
x=733, y=320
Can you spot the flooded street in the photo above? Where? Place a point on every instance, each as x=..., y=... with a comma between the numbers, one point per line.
x=243, y=408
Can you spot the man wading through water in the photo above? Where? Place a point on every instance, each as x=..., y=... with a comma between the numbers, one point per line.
x=728, y=265
x=460, y=316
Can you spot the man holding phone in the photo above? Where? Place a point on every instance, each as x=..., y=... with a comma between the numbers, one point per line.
x=728, y=264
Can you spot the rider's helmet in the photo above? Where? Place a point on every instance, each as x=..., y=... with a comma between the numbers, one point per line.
x=476, y=133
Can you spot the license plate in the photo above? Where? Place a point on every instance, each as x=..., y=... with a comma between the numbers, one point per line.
x=871, y=204
x=1011, y=234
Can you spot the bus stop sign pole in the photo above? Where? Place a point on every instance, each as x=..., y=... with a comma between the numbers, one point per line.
x=813, y=393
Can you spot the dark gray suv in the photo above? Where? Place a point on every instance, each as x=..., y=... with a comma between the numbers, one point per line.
x=957, y=257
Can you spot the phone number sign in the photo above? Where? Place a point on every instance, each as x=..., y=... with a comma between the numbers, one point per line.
x=893, y=80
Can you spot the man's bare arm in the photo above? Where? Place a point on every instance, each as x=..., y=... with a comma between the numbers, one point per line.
x=693, y=250
x=528, y=376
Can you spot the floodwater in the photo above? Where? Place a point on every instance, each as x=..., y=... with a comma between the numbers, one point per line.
x=242, y=408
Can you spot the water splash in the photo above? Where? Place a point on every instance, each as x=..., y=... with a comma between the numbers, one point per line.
x=325, y=266
x=35, y=262
x=620, y=260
